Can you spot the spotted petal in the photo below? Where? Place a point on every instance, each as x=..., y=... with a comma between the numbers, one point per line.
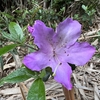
x=79, y=53
x=43, y=35
x=68, y=31
x=63, y=75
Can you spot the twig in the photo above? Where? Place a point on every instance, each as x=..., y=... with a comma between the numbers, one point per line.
x=25, y=88
x=69, y=94
x=89, y=37
x=22, y=92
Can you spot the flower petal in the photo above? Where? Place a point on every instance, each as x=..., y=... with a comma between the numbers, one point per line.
x=30, y=29
x=63, y=75
x=68, y=31
x=80, y=53
x=43, y=35
x=36, y=61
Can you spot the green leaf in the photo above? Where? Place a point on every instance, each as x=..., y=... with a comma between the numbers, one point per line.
x=48, y=73
x=98, y=32
x=17, y=76
x=84, y=7
x=9, y=36
x=1, y=82
x=37, y=90
x=7, y=48
x=6, y=35
x=16, y=31
x=43, y=73
x=46, y=77
x=1, y=63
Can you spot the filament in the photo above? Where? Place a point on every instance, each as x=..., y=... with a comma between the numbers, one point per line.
x=59, y=63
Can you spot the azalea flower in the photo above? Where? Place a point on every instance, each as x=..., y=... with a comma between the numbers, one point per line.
x=57, y=49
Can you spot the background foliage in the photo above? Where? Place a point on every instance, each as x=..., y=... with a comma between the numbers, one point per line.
x=16, y=15
x=51, y=12
x=25, y=12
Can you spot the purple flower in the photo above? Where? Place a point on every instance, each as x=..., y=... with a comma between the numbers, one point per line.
x=57, y=49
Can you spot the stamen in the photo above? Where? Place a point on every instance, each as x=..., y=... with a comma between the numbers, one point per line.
x=59, y=63
x=56, y=69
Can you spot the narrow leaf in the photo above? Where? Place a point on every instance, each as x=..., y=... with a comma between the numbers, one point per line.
x=37, y=91
x=7, y=48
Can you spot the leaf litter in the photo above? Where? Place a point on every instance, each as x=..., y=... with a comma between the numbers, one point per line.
x=85, y=79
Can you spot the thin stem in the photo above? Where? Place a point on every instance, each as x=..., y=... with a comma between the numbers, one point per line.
x=22, y=92
x=69, y=94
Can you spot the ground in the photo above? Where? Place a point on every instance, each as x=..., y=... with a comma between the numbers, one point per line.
x=85, y=79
